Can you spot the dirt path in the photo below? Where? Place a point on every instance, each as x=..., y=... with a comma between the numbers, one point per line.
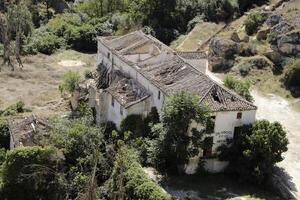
x=275, y=108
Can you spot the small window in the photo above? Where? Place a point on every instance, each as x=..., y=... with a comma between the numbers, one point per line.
x=108, y=55
x=239, y=115
x=112, y=101
x=121, y=110
x=158, y=95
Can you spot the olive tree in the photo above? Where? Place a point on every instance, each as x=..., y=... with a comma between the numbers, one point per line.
x=176, y=146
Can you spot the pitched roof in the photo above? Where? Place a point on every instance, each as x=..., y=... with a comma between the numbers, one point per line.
x=171, y=72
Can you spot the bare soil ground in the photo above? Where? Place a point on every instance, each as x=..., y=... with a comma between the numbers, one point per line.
x=37, y=84
x=198, y=36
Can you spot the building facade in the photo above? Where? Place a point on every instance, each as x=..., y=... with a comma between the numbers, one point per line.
x=136, y=72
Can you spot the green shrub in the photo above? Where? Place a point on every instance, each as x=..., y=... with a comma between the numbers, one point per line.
x=240, y=87
x=69, y=81
x=60, y=23
x=13, y=109
x=137, y=183
x=253, y=21
x=81, y=37
x=272, y=38
x=255, y=150
x=84, y=110
x=30, y=173
x=217, y=10
x=44, y=42
x=135, y=124
x=292, y=74
x=4, y=134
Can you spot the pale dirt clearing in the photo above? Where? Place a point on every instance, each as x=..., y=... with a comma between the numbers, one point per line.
x=275, y=108
x=37, y=84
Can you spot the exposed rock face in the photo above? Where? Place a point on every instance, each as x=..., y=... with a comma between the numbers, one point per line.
x=281, y=28
x=222, y=47
x=262, y=34
x=221, y=53
x=289, y=44
x=274, y=19
x=275, y=57
x=247, y=64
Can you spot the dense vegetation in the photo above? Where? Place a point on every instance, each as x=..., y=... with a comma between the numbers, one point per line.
x=130, y=181
x=256, y=150
x=83, y=160
x=252, y=23
x=240, y=87
x=38, y=27
x=292, y=76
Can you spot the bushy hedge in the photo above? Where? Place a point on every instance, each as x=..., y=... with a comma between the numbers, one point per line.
x=292, y=74
x=13, y=109
x=137, y=184
x=44, y=42
x=4, y=134
x=253, y=21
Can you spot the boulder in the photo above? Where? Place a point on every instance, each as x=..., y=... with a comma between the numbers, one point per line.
x=290, y=37
x=243, y=37
x=275, y=57
x=217, y=64
x=222, y=47
x=289, y=43
x=282, y=27
x=235, y=37
x=246, y=49
x=272, y=20
x=262, y=34
x=287, y=49
x=259, y=62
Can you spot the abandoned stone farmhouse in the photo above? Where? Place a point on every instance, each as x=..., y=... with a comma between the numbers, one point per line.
x=136, y=72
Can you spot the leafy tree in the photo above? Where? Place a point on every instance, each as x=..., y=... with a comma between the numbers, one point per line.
x=129, y=181
x=32, y=173
x=174, y=145
x=253, y=21
x=4, y=134
x=17, y=21
x=85, y=154
x=292, y=75
x=240, y=87
x=256, y=150
x=69, y=81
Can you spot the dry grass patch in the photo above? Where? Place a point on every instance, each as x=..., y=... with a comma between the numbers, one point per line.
x=199, y=35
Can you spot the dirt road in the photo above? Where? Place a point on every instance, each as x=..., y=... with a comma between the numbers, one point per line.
x=275, y=108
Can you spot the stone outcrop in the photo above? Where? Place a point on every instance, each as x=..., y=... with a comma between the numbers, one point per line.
x=289, y=44
x=247, y=64
x=275, y=57
x=262, y=34
x=221, y=53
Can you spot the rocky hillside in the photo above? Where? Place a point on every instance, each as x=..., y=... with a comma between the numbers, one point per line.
x=244, y=51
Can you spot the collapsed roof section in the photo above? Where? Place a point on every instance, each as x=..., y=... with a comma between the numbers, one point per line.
x=126, y=91
x=172, y=71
